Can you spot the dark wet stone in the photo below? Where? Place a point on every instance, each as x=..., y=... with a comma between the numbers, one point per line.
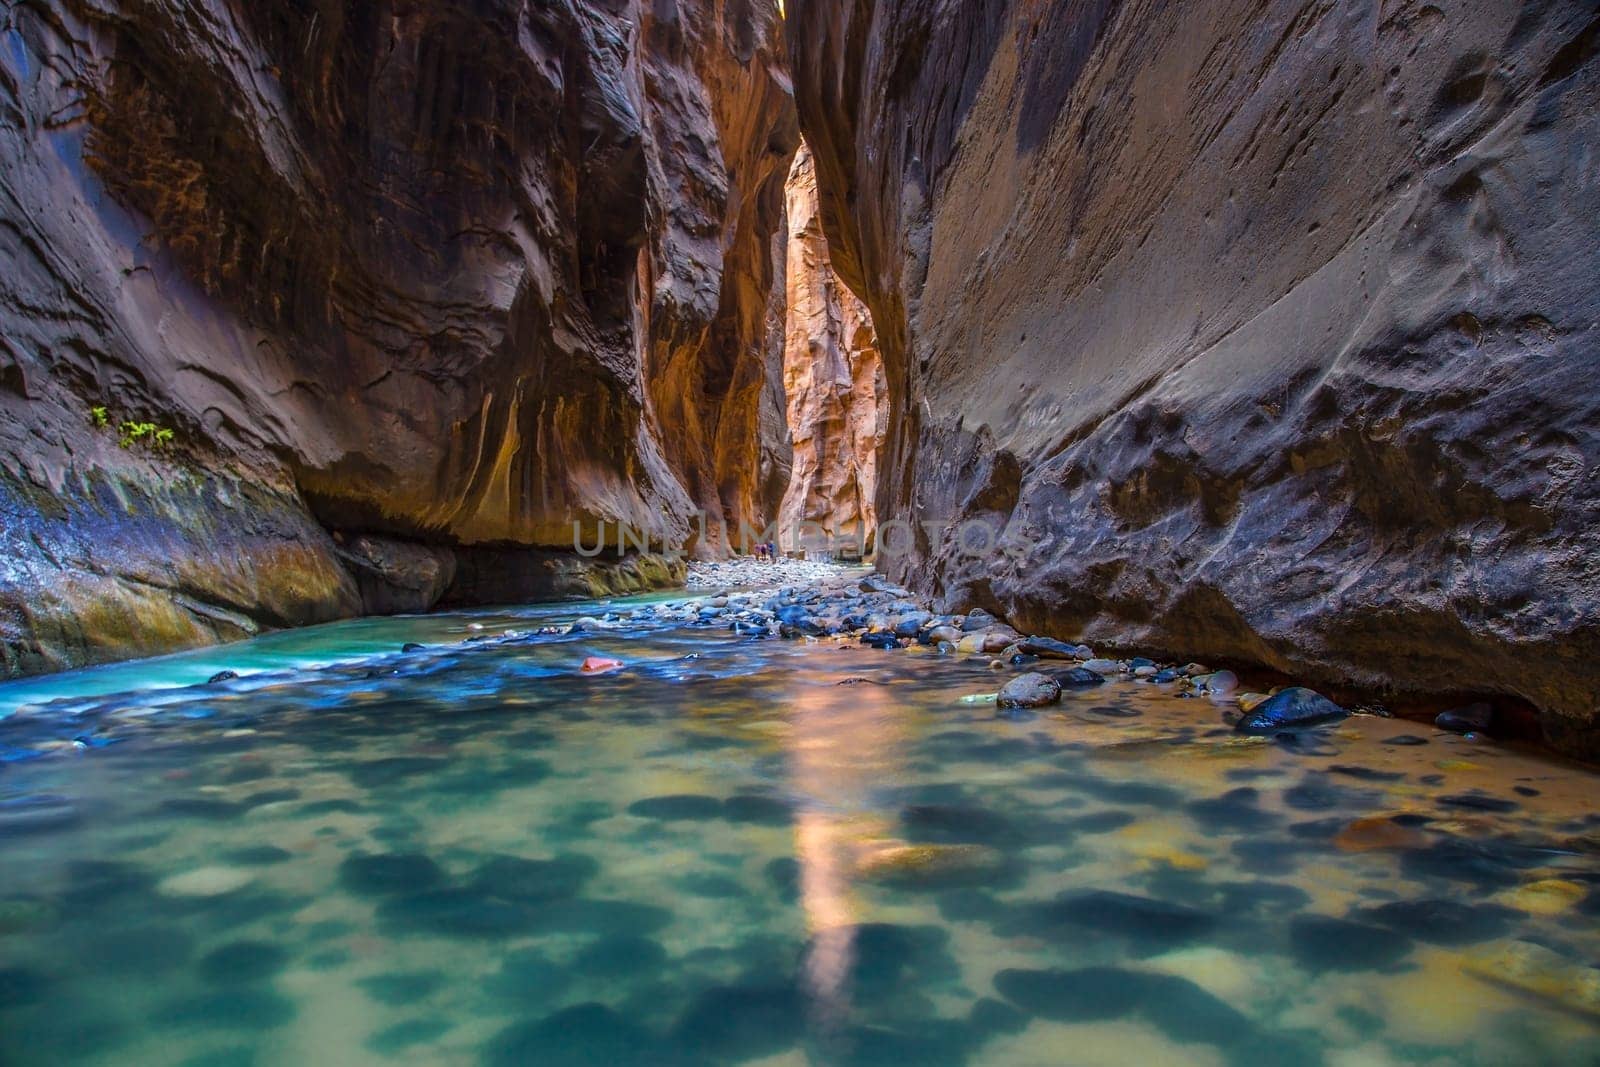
x=1465, y=720
x=257, y=856
x=957, y=824
x=1237, y=809
x=401, y=1036
x=1293, y=708
x=1364, y=774
x=1441, y=922
x=389, y=872
x=1405, y=739
x=959, y=905
x=1319, y=943
x=1179, y=1008
x=270, y=796
x=1432, y=779
x=883, y=640
x=884, y=959
x=456, y=913
x=526, y=976
x=521, y=772
x=222, y=676
x=1100, y=822
x=1047, y=648
x=1260, y=898
x=243, y=1009
x=614, y=957
x=1477, y=802
x=1319, y=794
x=742, y=1022
x=1144, y=921
x=202, y=808
x=1029, y=691
x=990, y=1018
x=1318, y=829
x=600, y=918
x=1142, y=794
x=783, y=875
x=1080, y=678
x=1525, y=791
x=412, y=646
x=402, y=988
x=925, y=1042
x=531, y=881
x=588, y=1035
x=713, y=886
x=1111, y=711
x=396, y=770
x=1265, y=856
x=21, y=986
x=758, y=810
x=330, y=807
x=1087, y=995
x=680, y=806
x=133, y=952
x=242, y=962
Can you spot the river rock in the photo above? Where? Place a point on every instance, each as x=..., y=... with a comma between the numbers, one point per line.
x=977, y=619
x=205, y=882
x=1029, y=691
x=1047, y=648
x=1293, y=707
x=1473, y=717
x=1081, y=677
x=1103, y=666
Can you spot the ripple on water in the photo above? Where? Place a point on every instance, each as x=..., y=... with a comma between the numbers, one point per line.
x=476, y=854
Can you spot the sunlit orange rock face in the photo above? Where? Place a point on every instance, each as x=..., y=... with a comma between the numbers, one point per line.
x=1265, y=332
x=833, y=380
x=455, y=274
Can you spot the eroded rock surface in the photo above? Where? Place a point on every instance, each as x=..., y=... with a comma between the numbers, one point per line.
x=833, y=380
x=1266, y=332
x=456, y=275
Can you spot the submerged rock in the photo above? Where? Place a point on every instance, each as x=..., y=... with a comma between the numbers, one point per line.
x=1081, y=678
x=1029, y=691
x=1294, y=707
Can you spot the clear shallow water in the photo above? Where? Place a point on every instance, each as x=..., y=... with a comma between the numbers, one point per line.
x=774, y=853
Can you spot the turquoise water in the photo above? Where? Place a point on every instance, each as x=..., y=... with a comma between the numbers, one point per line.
x=757, y=851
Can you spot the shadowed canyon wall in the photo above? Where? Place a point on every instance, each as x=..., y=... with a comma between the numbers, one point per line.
x=318, y=306
x=833, y=379
x=1265, y=330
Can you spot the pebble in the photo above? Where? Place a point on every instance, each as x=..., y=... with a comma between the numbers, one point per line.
x=205, y=882
x=1102, y=666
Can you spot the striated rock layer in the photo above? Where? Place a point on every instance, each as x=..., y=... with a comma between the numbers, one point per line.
x=453, y=276
x=833, y=379
x=1266, y=330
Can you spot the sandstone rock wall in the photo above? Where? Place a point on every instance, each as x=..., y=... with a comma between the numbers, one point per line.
x=456, y=274
x=1266, y=330
x=833, y=379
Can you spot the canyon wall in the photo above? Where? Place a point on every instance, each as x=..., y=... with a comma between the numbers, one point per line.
x=309, y=307
x=833, y=380
x=1264, y=331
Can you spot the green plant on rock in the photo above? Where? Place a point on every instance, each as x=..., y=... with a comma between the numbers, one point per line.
x=99, y=416
x=149, y=433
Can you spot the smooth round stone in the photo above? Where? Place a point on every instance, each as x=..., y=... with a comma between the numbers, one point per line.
x=1102, y=666
x=1029, y=691
x=1465, y=720
x=933, y=866
x=1081, y=678
x=1294, y=707
x=205, y=882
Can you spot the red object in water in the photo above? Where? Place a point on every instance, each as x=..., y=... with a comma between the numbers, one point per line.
x=600, y=665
